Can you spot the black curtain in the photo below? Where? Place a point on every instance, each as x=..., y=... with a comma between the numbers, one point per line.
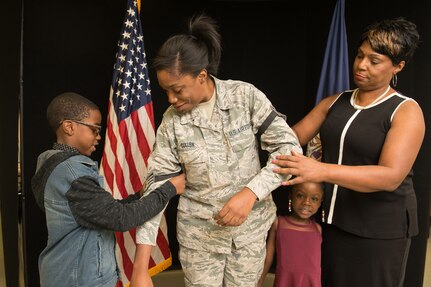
x=10, y=23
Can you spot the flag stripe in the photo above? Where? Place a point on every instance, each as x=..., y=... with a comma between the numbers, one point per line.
x=128, y=163
x=150, y=114
x=165, y=252
x=141, y=147
x=121, y=164
x=129, y=251
x=127, y=263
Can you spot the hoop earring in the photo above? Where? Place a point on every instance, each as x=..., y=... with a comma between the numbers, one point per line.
x=290, y=206
x=394, y=80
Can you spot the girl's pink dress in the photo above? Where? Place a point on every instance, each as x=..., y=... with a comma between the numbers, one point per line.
x=298, y=254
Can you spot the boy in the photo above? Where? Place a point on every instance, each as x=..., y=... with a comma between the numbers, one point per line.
x=80, y=215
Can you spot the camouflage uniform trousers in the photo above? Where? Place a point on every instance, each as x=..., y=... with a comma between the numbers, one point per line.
x=242, y=267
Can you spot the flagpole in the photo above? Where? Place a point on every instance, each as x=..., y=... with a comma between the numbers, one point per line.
x=21, y=192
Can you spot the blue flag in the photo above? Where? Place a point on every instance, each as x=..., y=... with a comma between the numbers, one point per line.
x=334, y=76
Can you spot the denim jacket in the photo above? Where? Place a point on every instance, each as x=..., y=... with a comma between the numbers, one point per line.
x=81, y=217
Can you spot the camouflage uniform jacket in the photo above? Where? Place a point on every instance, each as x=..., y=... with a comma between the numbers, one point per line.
x=219, y=157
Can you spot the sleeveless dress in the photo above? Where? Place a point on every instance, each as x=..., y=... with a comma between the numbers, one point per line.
x=366, y=236
x=298, y=254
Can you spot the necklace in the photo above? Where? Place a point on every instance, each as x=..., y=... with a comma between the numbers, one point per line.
x=358, y=107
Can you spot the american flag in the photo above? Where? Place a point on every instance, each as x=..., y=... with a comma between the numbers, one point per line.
x=130, y=137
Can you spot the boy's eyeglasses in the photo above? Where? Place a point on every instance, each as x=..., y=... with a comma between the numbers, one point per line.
x=95, y=128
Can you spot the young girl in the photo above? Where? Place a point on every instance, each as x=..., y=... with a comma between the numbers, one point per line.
x=297, y=239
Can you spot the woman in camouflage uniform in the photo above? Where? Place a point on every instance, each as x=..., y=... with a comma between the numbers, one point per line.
x=212, y=131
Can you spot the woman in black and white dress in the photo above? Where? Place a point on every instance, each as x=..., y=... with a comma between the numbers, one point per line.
x=370, y=138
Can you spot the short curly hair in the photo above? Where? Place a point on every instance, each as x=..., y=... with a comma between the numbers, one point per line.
x=395, y=38
x=68, y=106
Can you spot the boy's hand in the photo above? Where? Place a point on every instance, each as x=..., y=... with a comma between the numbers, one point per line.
x=179, y=182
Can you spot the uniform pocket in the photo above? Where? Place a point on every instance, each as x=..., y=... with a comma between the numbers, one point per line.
x=241, y=137
x=194, y=158
x=244, y=146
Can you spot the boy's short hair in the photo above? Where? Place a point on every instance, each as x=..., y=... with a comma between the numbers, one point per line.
x=68, y=106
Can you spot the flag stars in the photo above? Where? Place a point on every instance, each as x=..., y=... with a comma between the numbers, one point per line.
x=128, y=24
x=124, y=46
x=130, y=85
x=126, y=85
x=131, y=12
x=126, y=35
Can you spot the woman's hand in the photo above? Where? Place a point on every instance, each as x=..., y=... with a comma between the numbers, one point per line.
x=237, y=208
x=301, y=168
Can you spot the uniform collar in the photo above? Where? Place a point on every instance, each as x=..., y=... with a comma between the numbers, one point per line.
x=223, y=102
